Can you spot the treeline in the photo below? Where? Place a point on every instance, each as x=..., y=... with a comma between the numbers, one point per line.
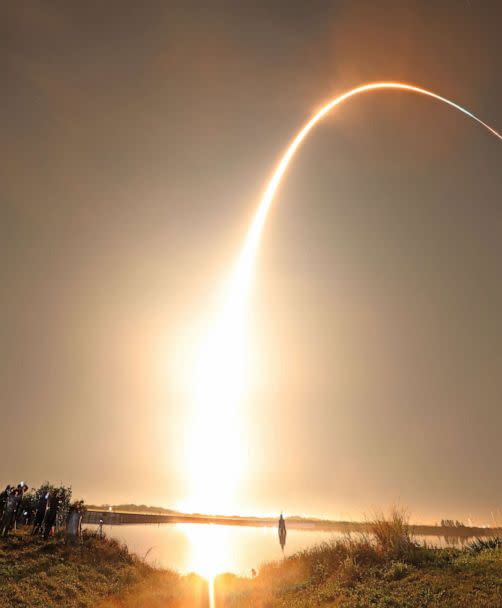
x=132, y=508
x=452, y=523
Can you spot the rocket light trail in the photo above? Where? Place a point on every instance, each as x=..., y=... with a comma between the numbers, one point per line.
x=220, y=382
x=251, y=243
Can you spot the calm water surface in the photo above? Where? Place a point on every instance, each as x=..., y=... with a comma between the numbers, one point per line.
x=211, y=549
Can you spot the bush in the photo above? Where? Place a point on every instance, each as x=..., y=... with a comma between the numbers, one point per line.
x=396, y=571
x=349, y=572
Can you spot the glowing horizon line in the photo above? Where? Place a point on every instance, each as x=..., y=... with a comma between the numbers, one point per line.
x=252, y=239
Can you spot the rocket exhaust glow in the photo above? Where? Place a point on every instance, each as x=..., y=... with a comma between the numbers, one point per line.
x=219, y=379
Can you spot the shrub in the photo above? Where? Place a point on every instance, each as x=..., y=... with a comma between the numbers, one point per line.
x=396, y=571
x=349, y=572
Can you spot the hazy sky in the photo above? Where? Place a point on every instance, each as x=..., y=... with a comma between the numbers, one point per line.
x=136, y=138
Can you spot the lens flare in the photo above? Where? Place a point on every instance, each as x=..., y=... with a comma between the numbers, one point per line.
x=220, y=378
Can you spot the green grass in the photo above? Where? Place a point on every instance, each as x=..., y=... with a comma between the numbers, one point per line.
x=97, y=572
x=388, y=569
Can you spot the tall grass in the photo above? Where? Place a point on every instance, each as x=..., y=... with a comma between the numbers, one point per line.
x=393, y=536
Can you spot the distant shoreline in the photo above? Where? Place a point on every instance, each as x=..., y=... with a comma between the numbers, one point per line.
x=122, y=517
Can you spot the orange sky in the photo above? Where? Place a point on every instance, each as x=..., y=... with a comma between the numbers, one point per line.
x=136, y=144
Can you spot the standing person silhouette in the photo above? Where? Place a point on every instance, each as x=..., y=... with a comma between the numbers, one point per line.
x=51, y=513
x=9, y=512
x=3, y=499
x=40, y=513
x=21, y=489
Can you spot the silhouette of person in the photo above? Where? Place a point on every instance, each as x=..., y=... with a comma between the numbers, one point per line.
x=21, y=489
x=51, y=514
x=3, y=499
x=9, y=514
x=40, y=513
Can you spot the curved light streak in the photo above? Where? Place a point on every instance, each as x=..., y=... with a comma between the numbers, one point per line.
x=246, y=259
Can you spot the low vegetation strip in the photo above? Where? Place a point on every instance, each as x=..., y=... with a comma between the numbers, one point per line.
x=96, y=572
x=447, y=579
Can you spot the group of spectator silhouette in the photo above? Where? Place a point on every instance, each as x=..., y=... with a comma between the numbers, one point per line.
x=41, y=514
x=10, y=503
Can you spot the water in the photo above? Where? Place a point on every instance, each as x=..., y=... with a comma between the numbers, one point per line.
x=210, y=549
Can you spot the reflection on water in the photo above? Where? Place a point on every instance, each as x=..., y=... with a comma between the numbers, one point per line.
x=210, y=549
x=447, y=540
x=209, y=554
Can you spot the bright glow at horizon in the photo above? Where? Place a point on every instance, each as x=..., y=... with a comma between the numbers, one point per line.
x=216, y=459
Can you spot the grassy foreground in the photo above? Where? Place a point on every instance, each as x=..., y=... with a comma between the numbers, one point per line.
x=387, y=570
x=96, y=573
